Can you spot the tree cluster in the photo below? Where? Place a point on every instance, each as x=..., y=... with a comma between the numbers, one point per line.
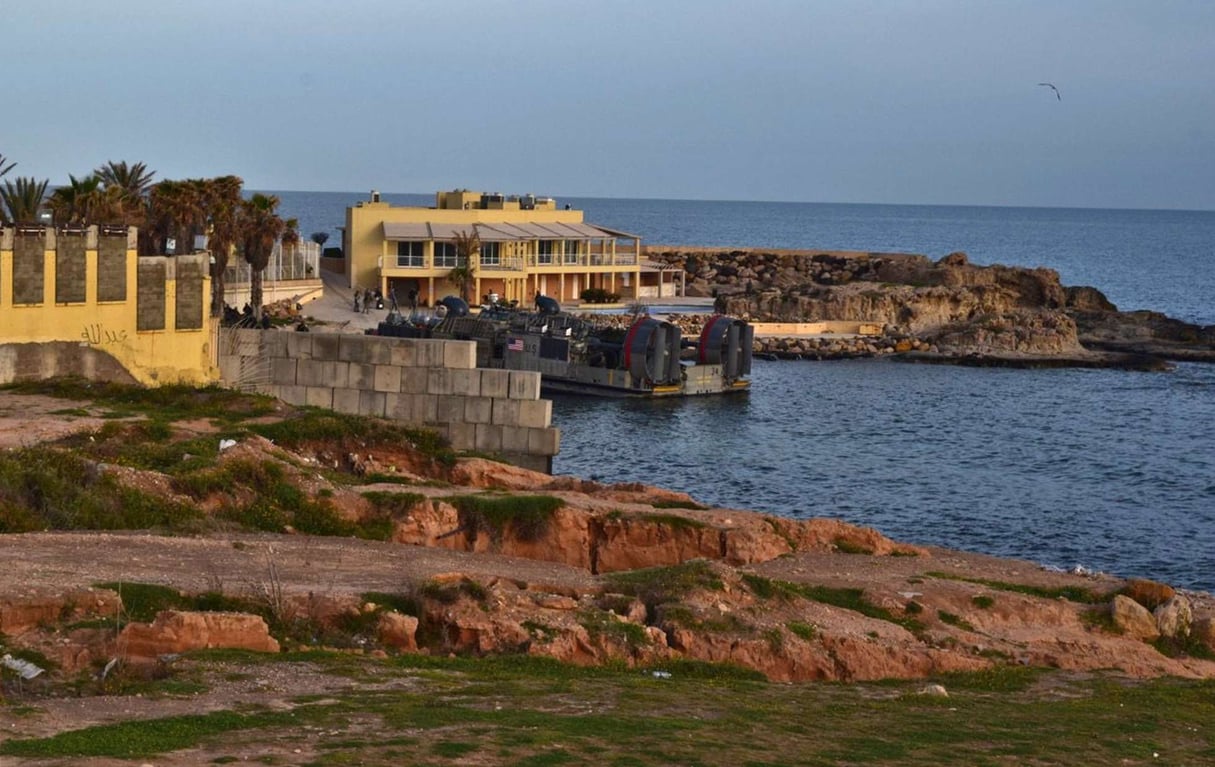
x=170, y=215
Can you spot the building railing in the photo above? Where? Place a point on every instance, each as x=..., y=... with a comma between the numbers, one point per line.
x=291, y=262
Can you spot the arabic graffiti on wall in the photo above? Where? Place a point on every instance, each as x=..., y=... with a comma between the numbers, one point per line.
x=96, y=335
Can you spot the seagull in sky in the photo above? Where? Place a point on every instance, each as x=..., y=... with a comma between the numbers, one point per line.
x=1053, y=88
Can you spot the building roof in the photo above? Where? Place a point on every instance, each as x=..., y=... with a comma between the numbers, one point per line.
x=499, y=232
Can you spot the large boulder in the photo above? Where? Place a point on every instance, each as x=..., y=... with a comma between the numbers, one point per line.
x=1133, y=619
x=1174, y=617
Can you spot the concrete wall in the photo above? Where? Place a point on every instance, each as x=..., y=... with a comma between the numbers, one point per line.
x=422, y=382
x=826, y=327
x=88, y=289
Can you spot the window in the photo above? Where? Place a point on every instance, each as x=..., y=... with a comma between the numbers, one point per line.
x=445, y=255
x=409, y=254
x=491, y=254
x=545, y=253
x=571, y=251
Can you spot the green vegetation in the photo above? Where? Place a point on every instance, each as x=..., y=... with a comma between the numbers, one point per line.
x=603, y=624
x=845, y=546
x=65, y=486
x=527, y=517
x=598, y=296
x=806, y=631
x=165, y=404
x=849, y=599
x=674, y=521
x=42, y=488
x=954, y=620
x=982, y=601
x=1071, y=593
x=693, y=505
x=660, y=585
x=523, y=710
x=449, y=593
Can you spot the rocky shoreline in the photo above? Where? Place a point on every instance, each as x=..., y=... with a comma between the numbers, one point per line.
x=947, y=311
x=476, y=557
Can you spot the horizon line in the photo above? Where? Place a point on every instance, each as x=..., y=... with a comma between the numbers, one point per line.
x=783, y=202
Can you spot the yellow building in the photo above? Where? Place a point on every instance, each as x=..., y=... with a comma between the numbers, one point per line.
x=82, y=302
x=528, y=246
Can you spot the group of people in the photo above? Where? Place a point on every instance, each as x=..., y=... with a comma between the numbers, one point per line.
x=365, y=299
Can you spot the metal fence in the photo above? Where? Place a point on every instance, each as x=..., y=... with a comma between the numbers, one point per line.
x=300, y=261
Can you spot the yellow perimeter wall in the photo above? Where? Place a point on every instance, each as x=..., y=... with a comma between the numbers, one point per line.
x=167, y=354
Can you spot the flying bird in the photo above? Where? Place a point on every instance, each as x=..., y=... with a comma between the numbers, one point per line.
x=1053, y=88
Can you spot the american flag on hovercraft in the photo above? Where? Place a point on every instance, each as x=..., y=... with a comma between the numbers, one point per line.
x=514, y=344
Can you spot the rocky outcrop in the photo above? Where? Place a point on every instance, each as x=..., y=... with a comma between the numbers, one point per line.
x=176, y=632
x=956, y=309
x=22, y=612
x=604, y=541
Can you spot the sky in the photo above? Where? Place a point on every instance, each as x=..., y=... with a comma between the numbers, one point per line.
x=915, y=101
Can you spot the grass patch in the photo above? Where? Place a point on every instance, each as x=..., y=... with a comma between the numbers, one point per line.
x=801, y=629
x=982, y=601
x=670, y=520
x=951, y=619
x=606, y=626
x=307, y=425
x=450, y=593
x=693, y=505
x=133, y=740
x=1070, y=593
x=526, y=517
x=386, y=510
x=528, y=710
x=658, y=585
x=845, y=546
x=42, y=488
x=849, y=599
x=171, y=402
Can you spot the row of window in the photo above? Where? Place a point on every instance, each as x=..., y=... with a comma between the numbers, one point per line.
x=410, y=253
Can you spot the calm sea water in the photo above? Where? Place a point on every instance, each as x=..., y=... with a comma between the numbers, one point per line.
x=1107, y=469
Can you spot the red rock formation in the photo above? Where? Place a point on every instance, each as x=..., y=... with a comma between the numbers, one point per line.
x=175, y=632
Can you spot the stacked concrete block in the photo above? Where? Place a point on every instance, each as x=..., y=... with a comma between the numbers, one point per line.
x=421, y=382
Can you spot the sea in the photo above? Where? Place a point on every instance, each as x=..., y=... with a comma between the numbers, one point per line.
x=1101, y=470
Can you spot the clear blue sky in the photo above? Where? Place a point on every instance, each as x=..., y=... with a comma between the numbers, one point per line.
x=921, y=101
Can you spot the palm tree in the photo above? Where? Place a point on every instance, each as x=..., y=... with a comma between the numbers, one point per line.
x=177, y=212
x=291, y=231
x=76, y=203
x=135, y=180
x=464, y=274
x=223, y=213
x=260, y=228
x=23, y=199
x=129, y=184
x=5, y=168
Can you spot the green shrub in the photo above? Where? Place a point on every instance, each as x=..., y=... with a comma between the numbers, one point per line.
x=601, y=624
x=982, y=601
x=450, y=593
x=659, y=585
x=954, y=620
x=42, y=488
x=527, y=517
x=598, y=296
x=315, y=425
x=142, y=601
x=1071, y=593
x=804, y=630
